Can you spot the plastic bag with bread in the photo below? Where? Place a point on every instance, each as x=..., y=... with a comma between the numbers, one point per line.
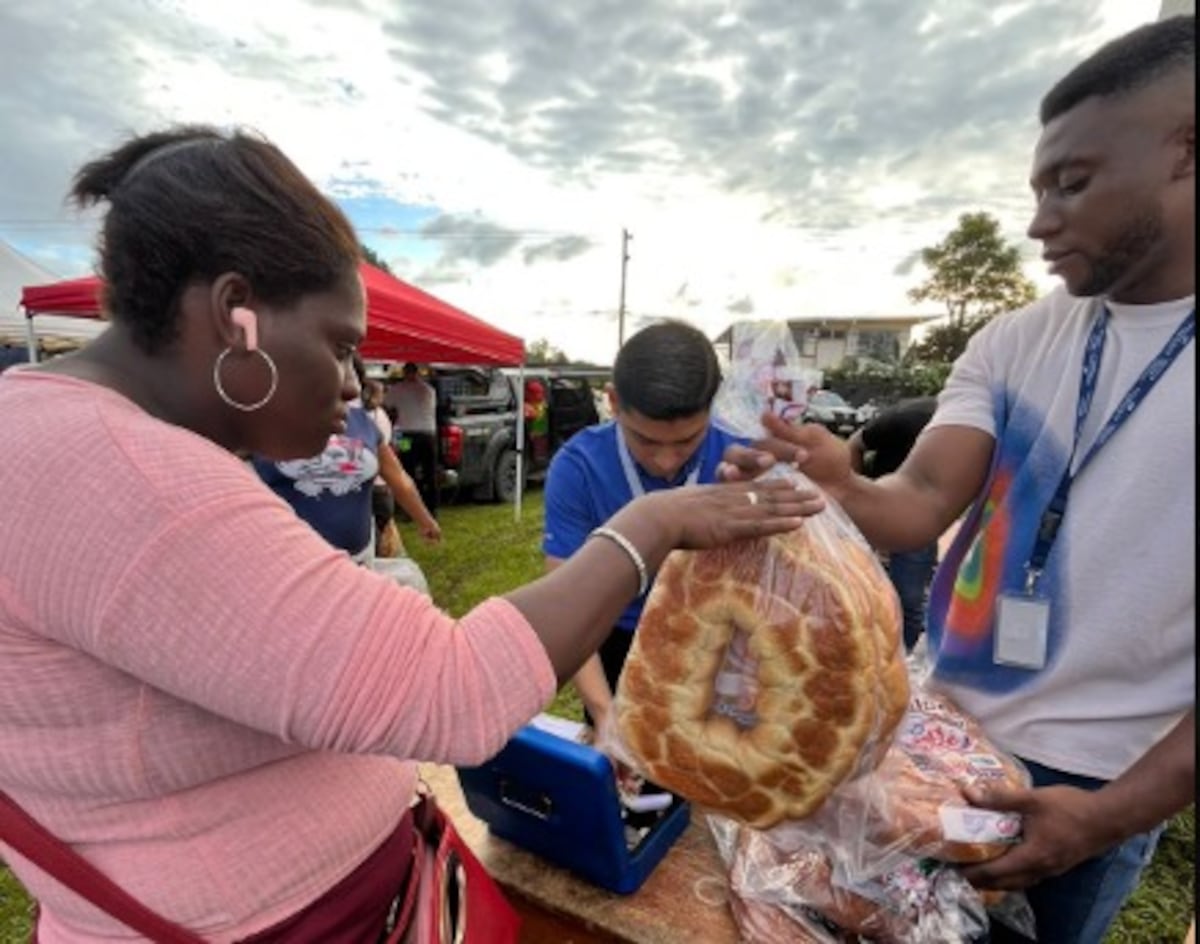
x=914, y=800
x=763, y=674
x=878, y=860
x=788, y=884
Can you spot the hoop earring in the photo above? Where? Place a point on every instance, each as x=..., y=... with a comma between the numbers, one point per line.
x=237, y=405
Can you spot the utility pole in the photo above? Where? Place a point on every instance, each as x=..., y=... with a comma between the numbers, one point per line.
x=625, y=237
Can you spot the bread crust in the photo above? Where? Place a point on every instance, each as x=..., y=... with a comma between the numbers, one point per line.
x=821, y=625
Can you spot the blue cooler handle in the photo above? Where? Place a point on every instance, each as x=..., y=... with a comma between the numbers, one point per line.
x=538, y=807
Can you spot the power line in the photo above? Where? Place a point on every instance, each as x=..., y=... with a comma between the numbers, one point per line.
x=385, y=230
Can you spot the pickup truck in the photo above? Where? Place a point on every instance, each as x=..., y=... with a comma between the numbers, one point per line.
x=477, y=425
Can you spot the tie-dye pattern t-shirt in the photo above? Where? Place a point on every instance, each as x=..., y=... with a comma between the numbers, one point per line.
x=1120, y=579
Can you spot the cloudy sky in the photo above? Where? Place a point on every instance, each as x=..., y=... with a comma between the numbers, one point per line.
x=771, y=158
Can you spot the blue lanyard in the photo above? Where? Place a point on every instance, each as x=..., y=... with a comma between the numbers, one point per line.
x=1053, y=515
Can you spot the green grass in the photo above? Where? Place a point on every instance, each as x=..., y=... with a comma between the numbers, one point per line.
x=16, y=910
x=484, y=553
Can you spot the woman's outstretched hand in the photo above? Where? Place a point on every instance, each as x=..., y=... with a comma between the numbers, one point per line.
x=702, y=516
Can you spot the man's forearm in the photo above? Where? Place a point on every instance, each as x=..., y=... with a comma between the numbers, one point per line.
x=911, y=508
x=892, y=514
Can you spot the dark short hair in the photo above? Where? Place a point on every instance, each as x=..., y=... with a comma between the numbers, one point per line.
x=666, y=372
x=408, y=368
x=190, y=203
x=1127, y=64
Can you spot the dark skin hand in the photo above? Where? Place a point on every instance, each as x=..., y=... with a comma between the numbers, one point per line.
x=1063, y=826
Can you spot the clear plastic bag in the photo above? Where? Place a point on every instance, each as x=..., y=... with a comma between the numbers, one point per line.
x=765, y=673
x=764, y=374
x=795, y=874
x=914, y=801
x=404, y=570
x=879, y=858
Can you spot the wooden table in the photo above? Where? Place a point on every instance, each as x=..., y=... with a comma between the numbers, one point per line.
x=682, y=902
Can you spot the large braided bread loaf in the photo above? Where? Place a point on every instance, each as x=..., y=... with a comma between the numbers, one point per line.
x=817, y=623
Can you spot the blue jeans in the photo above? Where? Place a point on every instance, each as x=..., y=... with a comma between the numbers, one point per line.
x=1078, y=906
x=911, y=572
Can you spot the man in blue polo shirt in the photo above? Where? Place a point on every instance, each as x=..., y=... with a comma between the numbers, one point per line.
x=664, y=381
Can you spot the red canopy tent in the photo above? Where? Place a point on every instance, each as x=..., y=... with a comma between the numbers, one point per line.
x=403, y=322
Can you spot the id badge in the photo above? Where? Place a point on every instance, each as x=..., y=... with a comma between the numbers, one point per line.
x=1022, y=627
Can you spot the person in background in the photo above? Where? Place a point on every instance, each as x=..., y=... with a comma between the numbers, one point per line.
x=603, y=406
x=415, y=403
x=333, y=490
x=664, y=381
x=537, y=418
x=1063, y=616
x=384, y=496
x=198, y=693
x=879, y=448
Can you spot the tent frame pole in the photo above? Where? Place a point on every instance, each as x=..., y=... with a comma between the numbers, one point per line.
x=520, y=442
x=30, y=338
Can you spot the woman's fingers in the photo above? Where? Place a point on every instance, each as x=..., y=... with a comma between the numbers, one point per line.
x=774, y=505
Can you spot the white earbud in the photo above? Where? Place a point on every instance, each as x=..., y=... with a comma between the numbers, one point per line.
x=248, y=321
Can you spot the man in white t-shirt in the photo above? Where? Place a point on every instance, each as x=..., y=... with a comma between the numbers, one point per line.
x=415, y=403
x=1063, y=615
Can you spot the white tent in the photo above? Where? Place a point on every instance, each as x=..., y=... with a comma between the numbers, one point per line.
x=16, y=271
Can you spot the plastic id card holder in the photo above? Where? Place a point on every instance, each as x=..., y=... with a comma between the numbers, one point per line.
x=1022, y=627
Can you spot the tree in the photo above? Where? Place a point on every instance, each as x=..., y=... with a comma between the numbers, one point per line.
x=543, y=352
x=943, y=344
x=371, y=256
x=974, y=273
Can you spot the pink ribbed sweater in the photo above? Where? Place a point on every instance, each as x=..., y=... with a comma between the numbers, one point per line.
x=199, y=694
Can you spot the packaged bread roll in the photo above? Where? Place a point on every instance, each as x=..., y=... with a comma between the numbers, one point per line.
x=915, y=798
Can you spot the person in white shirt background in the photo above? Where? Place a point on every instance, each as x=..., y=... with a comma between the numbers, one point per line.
x=415, y=405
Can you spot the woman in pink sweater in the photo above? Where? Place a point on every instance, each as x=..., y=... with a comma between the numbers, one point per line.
x=197, y=693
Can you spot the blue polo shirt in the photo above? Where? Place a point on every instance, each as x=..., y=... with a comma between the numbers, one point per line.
x=586, y=486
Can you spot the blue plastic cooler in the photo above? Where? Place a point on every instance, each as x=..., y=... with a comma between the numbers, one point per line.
x=558, y=798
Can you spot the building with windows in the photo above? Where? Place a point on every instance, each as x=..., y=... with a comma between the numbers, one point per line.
x=1176, y=7
x=823, y=343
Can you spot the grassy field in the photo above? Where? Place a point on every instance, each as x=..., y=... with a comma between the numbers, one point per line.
x=485, y=553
